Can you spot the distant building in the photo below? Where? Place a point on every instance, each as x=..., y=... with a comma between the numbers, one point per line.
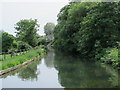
x=49, y=37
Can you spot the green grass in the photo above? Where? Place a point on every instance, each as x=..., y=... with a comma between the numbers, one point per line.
x=6, y=55
x=16, y=60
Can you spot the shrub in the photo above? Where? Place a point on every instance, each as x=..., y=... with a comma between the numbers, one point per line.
x=23, y=45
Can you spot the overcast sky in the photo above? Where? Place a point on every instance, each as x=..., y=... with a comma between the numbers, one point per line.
x=44, y=10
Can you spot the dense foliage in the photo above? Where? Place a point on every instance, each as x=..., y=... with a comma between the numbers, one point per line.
x=41, y=40
x=27, y=31
x=7, y=41
x=88, y=29
x=26, y=37
x=23, y=46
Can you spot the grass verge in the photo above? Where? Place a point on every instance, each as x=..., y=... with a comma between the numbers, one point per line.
x=16, y=60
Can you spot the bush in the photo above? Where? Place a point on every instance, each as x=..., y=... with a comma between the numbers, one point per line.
x=23, y=45
x=15, y=44
x=111, y=57
x=41, y=41
x=7, y=41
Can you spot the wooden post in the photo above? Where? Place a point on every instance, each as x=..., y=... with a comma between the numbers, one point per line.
x=4, y=56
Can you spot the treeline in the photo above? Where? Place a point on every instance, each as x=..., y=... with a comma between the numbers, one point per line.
x=89, y=29
x=25, y=39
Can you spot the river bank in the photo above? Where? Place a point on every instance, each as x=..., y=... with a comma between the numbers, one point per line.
x=21, y=60
x=20, y=66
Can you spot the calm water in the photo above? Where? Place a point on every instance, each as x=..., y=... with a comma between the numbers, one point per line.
x=62, y=71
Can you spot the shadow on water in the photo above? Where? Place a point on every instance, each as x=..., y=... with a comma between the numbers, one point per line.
x=72, y=71
x=77, y=72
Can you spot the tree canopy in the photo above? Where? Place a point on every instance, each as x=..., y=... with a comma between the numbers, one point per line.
x=49, y=28
x=88, y=28
x=7, y=41
x=27, y=31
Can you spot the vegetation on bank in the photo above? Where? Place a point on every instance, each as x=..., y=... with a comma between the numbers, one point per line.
x=16, y=60
x=26, y=45
x=90, y=29
x=112, y=57
x=87, y=29
x=26, y=37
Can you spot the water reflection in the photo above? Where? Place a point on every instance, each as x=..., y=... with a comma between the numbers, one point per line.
x=79, y=73
x=59, y=70
x=30, y=72
x=49, y=58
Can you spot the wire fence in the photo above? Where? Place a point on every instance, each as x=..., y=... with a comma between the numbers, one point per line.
x=6, y=55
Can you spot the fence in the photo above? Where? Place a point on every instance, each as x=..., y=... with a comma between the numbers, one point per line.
x=5, y=55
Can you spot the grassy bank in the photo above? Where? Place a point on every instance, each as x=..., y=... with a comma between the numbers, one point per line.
x=16, y=60
x=7, y=56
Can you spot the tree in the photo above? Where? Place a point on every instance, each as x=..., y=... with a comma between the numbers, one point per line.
x=99, y=29
x=88, y=28
x=7, y=41
x=23, y=46
x=69, y=20
x=41, y=41
x=27, y=31
x=60, y=32
x=49, y=29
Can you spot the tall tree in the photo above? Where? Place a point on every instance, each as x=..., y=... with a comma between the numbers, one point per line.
x=27, y=31
x=87, y=28
x=49, y=29
x=99, y=29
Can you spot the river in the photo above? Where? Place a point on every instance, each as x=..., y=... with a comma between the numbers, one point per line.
x=57, y=70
